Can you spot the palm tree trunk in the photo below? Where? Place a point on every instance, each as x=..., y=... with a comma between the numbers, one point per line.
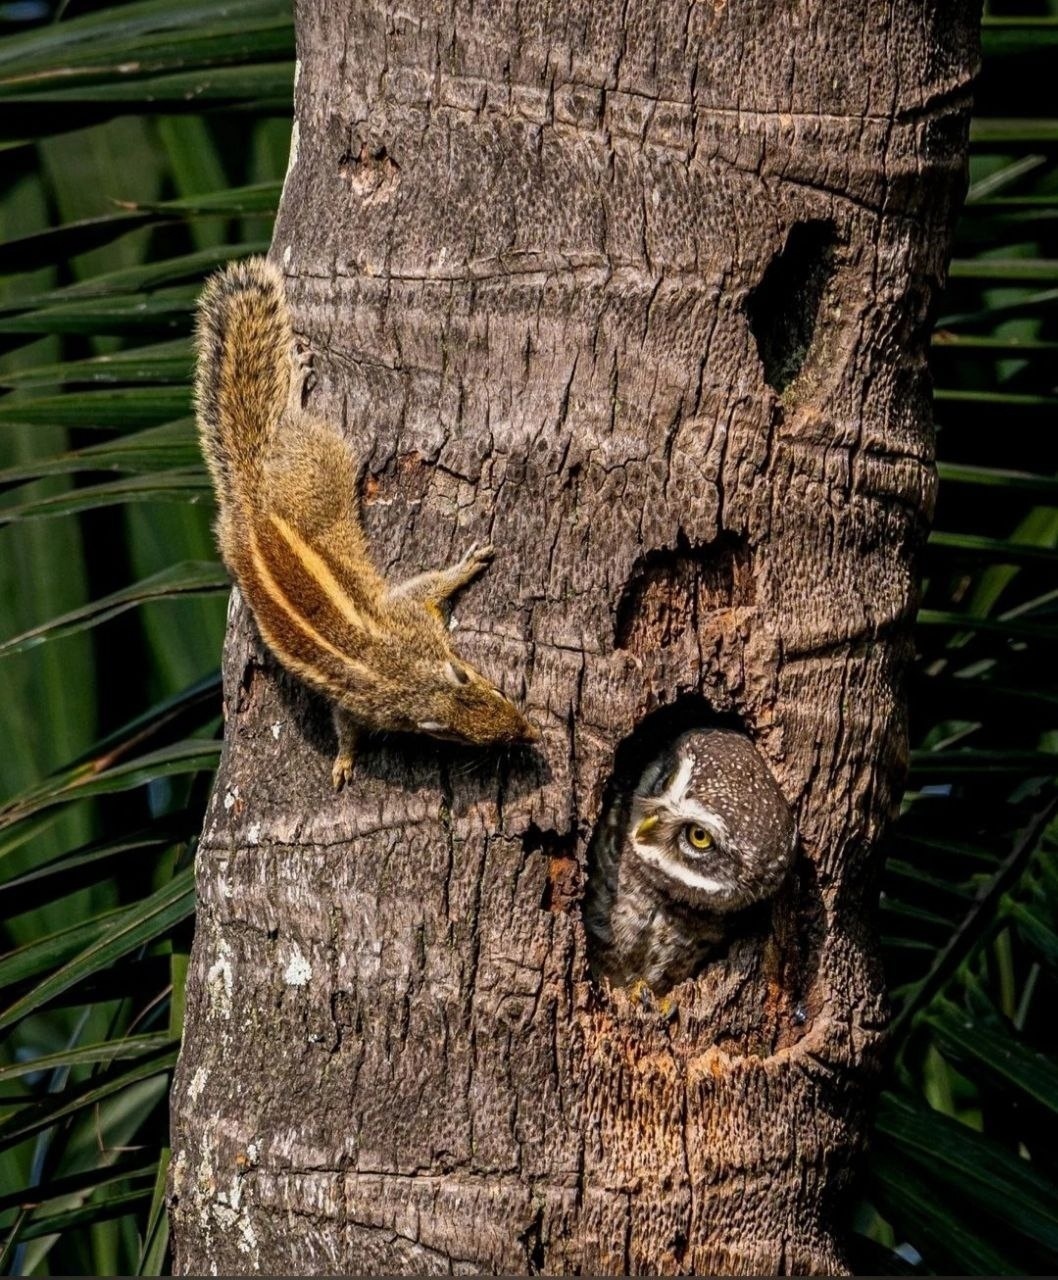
x=641, y=294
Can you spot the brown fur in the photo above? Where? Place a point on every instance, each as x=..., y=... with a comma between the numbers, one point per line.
x=289, y=534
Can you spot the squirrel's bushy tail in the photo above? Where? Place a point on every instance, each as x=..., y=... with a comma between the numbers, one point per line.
x=242, y=381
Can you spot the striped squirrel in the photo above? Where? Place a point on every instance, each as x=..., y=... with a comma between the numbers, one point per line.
x=289, y=533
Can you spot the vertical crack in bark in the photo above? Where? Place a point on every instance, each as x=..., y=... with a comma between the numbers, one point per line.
x=784, y=309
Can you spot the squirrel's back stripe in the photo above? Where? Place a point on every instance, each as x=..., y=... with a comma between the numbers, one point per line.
x=277, y=617
x=242, y=383
x=315, y=565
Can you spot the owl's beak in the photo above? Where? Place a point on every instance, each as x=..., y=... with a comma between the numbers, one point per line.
x=646, y=826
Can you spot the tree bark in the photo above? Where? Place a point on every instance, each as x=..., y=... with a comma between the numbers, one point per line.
x=640, y=293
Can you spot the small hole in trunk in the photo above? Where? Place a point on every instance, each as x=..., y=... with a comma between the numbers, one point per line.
x=784, y=308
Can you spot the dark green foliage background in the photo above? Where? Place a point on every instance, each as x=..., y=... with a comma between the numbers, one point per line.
x=113, y=614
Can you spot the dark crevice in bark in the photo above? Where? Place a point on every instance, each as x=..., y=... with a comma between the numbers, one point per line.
x=784, y=308
x=563, y=886
x=797, y=937
x=662, y=726
x=532, y=1241
x=670, y=589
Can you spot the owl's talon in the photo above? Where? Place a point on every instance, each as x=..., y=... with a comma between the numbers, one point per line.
x=640, y=994
x=668, y=1007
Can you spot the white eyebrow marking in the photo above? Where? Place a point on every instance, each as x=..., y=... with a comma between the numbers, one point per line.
x=678, y=789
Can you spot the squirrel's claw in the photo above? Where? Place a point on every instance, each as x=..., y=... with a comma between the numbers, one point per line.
x=342, y=770
x=304, y=378
x=345, y=729
x=478, y=558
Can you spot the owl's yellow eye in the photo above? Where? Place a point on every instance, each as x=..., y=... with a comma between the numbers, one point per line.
x=698, y=837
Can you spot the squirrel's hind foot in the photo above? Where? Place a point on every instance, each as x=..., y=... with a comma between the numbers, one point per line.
x=303, y=376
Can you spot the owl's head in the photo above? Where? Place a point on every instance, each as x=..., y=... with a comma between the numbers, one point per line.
x=709, y=823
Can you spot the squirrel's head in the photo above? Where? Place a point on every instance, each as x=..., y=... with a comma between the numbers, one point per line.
x=464, y=706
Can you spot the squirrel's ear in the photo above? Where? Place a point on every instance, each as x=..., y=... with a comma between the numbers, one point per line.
x=456, y=674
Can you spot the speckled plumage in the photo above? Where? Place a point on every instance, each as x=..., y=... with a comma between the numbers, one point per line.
x=656, y=907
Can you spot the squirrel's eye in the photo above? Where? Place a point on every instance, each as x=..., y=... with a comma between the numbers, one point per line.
x=456, y=674
x=698, y=837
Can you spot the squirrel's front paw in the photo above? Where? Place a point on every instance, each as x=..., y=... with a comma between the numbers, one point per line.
x=478, y=558
x=342, y=769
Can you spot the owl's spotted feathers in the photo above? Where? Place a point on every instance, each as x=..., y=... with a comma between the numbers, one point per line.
x=705, y=832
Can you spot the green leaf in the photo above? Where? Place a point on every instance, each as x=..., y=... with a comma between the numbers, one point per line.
x=125, y=930
x=77, y=1184
x=972, y=1167
x=51, y=244
x=1002, y=36
x=996, y=399
x=1004, y=269
x=54, y=878
x=156, y=1237
x=944, y=1232
x=170, y=446
x=99, y=778
x=164, y=311
x=254, y=198
x=168, y=486
x=142, y=276
x=1009, y=173
x=963, y=762
x=994, y=477
x=163, y=362
x=1037, y=932
x=987, y=344
x=128, y=1047
x=265, y=86
x=1028, y=304
x=53, y=950
x=127, y=29
x=95, y=1211
x=110, y=410
x=76, y=1100
x=1010, y=630
x=995, y=1054
x=992, y=549
x=178, y=581
x=1014, y=132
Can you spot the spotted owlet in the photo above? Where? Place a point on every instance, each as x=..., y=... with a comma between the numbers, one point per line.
x=704, y=832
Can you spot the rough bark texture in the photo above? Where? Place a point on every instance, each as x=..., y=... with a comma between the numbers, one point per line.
x=640, y=292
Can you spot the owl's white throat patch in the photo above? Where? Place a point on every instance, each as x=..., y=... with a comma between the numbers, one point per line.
x=677, y=870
